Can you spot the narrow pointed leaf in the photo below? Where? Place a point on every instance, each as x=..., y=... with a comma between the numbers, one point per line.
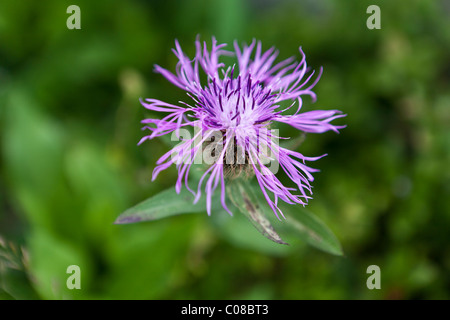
x=311, y=229
x=304, y=225
x=243, y=197
x=165, y=204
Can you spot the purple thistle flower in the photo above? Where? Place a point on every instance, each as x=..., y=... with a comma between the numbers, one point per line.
x=240, y=106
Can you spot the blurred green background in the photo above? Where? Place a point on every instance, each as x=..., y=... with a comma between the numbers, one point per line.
x=69, y=165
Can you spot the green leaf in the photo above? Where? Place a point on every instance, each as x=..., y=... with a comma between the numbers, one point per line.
x=238, y=231
x=311, y=229
x=299, y=221
x=15, y=283
x=243, y=197
x=165, y=204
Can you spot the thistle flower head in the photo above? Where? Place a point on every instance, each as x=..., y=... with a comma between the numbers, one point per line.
x=232, y=111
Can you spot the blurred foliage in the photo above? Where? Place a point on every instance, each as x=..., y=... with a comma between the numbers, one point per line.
x=69, y=165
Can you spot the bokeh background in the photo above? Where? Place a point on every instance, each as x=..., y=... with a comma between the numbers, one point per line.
x=69, y=165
